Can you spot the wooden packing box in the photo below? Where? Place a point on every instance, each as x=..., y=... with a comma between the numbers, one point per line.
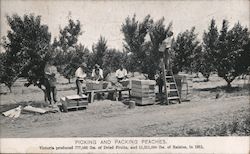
x=143, y=82
x=143, y=90
x=74, y=101
x=144, y=101
x=143, y=87
x=96, y=85
x=144, y=95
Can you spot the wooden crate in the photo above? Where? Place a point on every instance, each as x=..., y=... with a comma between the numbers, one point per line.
x=144, y=100
x=143, y=82
x=143, y=88
x=143, y=85
x=145, y=95
x=74, y=101
x=140, y=93
x=96, y=85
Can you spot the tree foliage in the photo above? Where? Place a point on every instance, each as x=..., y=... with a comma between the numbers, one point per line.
x=198, y=61
x=79, y=55
x=112, y=60
x=144, y=55
x=232, y=58
x=210, y=49
x=8, y=75
x=134, y=36
x=27, y=49
x=158, y=33
x=99, y=50
x=68, y=37
x=66, y=48
x=184, y=48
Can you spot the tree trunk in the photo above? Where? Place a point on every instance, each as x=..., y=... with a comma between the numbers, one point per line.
x=229, y=84
x=68, y=80
x=133, y=74
x=207, y=78
x=10, y=89
x=197, y=75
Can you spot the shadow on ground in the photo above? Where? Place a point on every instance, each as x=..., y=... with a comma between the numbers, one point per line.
x=225, y=89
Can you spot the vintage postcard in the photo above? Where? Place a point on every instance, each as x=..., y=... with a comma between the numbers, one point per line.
x=112, y=76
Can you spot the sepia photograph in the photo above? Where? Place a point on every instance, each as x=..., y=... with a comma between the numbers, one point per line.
x=125, y=70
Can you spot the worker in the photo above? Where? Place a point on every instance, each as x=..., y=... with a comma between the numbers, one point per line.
x=121, y=73
x=97, y=73
x=51, y=75
x=80, y=75
x=159, y=80
x=165, y=48
x=168, y=42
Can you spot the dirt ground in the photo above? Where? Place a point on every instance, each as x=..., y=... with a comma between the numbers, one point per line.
x=105, y=118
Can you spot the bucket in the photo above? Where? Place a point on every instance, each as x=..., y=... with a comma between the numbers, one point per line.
x=131, y=105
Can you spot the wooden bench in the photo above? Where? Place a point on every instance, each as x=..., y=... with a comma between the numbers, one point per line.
x=91, y=93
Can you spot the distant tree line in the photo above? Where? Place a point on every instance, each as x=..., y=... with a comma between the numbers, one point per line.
x=28, y=47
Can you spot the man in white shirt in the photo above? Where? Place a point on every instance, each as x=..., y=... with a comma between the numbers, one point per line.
x=97, y=73
x=165, y=47
x=80, y=75
x=121, y=73
x=50, y=81
x=168, y=42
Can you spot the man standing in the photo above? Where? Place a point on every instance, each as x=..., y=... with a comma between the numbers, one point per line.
x=80, y=75
x=50, y=81
x=159, y=80
x=121, y=74
x=164, y=48
x=168, y=42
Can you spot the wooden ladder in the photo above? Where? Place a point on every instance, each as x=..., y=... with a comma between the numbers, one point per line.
x=172, y=89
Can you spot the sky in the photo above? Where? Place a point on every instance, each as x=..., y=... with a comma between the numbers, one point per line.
x=105, y=18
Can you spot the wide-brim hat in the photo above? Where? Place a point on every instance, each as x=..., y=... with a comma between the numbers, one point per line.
x=83, y=65
x=97, y=66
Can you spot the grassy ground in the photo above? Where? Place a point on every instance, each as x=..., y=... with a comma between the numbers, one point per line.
x=211, y=111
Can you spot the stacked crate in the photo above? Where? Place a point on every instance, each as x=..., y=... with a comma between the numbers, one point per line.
x=143, y=91
x=74, y=101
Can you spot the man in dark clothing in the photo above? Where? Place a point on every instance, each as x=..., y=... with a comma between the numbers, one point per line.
x=159, y=81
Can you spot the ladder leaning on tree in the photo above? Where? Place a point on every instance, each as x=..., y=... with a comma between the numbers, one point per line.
x=172, y=92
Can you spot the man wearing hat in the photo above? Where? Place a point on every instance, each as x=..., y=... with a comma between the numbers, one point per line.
x=50, y=74
x=80, y=75
x=168, y=44
x=97, y=73
x=121, y=73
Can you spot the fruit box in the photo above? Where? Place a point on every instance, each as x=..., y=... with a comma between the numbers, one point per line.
x=144, y=101
x=96, y=85
x=74, y=101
